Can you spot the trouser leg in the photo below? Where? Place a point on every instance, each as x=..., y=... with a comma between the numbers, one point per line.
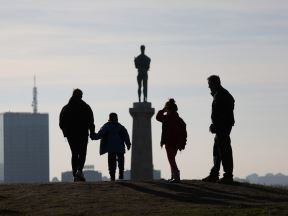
x=112, y=165
x=82, y=154
x=74, y=156
x=171, y=154
x=74, y=160
x=227, y=156
x=217, y=158
x=121, y=161
x=78, y=146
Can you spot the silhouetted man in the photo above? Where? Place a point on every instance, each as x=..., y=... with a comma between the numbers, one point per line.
x=76, y=119
x=142, y=63
x=222, y=121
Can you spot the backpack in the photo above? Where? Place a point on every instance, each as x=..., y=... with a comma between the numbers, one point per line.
x=182, y=134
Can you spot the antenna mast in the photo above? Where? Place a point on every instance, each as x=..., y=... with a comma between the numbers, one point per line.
x=35, y=101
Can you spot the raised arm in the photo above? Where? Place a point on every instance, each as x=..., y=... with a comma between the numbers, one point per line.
x=160, y=115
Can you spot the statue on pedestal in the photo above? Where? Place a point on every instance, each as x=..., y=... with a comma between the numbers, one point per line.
x=142, y=63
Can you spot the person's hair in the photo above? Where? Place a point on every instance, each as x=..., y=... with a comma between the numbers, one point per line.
x=113, y=117
x=171, y=105
x=77, y=93
x=214, y=79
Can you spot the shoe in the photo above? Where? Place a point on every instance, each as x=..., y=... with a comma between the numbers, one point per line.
x=172, y=177
x=174, y=181
x=226, y=180
x=211, y=178
x=79, y=176
x=76, y=179
x=112, y=176
x=175, y=178
x=121, y=176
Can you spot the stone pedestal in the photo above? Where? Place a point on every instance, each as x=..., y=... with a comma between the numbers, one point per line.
x=141, y=161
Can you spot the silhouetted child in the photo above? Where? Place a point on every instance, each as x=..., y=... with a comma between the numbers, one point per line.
x=174, y=135
x=113, y=136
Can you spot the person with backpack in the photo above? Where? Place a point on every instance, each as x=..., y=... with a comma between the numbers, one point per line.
x=174, y=135
x=113, y=135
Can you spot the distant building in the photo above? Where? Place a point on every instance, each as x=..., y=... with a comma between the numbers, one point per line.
x=55, y=179
x=127, y=174
x=90, y=174
x=24, y=147
x=268, y=179
x=156, y=174
x=105, y=178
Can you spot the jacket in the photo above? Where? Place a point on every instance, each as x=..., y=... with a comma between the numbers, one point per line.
x=173, y=130
x=222, y=115
x=76, y=118
x=113, y=135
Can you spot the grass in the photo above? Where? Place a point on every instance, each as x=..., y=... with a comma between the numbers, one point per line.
x=142, y=198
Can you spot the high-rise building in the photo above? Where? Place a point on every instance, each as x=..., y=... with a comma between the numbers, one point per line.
x=24, y=147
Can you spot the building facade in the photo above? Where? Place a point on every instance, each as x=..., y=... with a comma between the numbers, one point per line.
x=24, y=147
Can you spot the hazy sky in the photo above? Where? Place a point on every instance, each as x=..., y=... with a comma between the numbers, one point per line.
x=91, y=44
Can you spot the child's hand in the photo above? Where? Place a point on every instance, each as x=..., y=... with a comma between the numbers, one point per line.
x=93, y=136
x=129, y=146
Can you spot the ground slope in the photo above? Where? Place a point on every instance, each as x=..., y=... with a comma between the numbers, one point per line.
x=142, y=198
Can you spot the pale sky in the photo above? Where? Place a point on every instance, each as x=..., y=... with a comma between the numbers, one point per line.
x=91, y=45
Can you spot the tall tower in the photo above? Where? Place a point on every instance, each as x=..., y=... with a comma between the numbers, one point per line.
x=35, y=101
x=24, y=145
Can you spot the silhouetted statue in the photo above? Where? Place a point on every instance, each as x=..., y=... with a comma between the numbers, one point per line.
x=76, y=119
x=142, y=63
x=113, y=136
x=174, y=135
x=222, y=122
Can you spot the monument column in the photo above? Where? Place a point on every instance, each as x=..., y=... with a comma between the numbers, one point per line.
x=141, y=161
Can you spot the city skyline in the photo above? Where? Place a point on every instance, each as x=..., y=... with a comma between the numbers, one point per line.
x=91, y=45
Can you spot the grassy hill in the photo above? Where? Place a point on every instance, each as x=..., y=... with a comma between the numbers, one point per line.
x=142, y=198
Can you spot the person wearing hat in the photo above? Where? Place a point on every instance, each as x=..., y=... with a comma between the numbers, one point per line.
x=174, y=135
x=113, y=137
x=77, y=122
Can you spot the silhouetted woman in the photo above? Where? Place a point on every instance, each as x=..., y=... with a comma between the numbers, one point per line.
x=174, y=135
